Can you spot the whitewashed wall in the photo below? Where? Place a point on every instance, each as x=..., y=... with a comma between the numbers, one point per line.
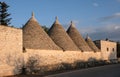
x=54, y=57
x=10, y=49
x=110, y=53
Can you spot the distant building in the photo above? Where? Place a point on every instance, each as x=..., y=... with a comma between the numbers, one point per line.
x=108, y=49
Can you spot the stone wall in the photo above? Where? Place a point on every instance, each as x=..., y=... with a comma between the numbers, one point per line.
x=50, y=57
x=10, y=49
x=108, y=50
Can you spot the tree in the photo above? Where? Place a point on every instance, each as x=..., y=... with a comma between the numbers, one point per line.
x=45, y=28
x=4, y=20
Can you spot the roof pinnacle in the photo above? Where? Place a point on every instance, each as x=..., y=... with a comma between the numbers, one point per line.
x=33, y=18
x=56, y=20
x=87, y=36
x=72, y=24
x=32, y=14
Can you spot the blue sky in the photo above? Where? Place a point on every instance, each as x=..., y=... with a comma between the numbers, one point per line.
x=99, y=18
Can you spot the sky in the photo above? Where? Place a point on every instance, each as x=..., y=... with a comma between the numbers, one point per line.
x=100, y=19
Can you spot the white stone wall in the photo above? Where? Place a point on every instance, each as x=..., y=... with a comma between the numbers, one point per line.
x=6, y=70
x=108, y=50
x=47, y=57
x=10, y=49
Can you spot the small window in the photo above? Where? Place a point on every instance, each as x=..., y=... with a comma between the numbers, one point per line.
x=24, y=50
x=107, y=49
x=113, y=49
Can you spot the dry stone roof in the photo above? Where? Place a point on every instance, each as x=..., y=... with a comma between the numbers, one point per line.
x=77, y=38
x=91, y=44
x=61, y=38
x=34, y=37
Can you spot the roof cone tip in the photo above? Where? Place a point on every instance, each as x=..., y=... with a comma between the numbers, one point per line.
x=33, y=18
x=56, y=20
x=87, y=36
x=72, y=24
x=32, y=14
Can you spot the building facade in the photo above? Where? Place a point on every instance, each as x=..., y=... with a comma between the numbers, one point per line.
x=108, y=49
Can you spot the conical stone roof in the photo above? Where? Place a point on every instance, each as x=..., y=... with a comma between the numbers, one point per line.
x=77, y=38
x=91, y=44
x=34, y=37
x=61, y=38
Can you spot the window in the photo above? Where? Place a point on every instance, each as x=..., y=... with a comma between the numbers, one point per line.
x=107, y=49
x=113, y=49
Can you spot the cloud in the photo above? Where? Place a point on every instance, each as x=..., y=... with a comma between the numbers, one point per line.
x=114, y=16
x=111, y=31
x=117, y=27
x=95, y=4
